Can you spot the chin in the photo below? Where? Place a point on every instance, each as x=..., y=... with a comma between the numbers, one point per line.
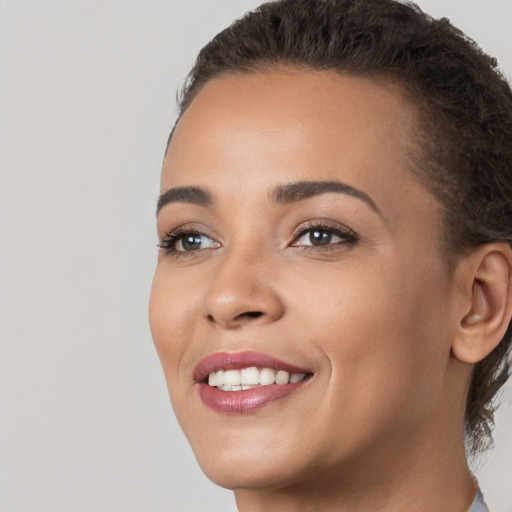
x=250, y=466
x=235, y=475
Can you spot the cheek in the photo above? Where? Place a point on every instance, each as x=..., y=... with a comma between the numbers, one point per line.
x=171, y=319
x=382, y=330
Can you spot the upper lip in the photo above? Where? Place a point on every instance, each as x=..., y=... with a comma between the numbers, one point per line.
x=238, y=360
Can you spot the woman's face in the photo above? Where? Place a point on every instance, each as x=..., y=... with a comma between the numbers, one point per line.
x=295, y=238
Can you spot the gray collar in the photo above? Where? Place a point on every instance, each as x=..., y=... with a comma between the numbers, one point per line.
x=478, y=504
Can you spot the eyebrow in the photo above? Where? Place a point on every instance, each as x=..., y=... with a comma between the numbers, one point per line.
x=299, y=190
x=194, y=195
x=283, y=194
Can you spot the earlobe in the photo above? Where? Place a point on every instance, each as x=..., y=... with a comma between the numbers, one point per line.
x=486, y=316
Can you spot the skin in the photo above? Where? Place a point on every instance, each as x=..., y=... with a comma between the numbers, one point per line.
x=379, y=426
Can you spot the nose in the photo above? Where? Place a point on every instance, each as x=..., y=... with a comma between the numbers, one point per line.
x=243, y=292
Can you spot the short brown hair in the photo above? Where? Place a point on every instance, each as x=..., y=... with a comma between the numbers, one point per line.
x=465, y=106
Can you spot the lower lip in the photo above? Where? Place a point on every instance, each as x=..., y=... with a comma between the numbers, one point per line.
x=245, y=401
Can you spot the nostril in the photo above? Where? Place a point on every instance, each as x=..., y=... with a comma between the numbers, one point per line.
x=241, y=318
x=250, y=314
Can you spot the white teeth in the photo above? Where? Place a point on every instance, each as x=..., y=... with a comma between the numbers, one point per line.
x=248, y=378
x=216, y=378
x=282, y=377
x=296, y=377
x=232, y=377
x=267, y=376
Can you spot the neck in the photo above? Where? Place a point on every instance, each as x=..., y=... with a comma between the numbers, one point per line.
x=423, y=474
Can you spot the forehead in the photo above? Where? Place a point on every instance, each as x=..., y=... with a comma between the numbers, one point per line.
x=269, y=128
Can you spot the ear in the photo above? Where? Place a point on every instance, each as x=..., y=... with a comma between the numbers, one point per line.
x=487, y=307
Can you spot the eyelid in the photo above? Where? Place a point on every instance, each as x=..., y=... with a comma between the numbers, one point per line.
x=168, y=241
x=348, y=235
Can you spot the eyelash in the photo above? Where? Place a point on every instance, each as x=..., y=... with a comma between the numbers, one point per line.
x=168, y=243
x=348, y=237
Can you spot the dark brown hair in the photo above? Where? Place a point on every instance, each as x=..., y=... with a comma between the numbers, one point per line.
x=465, y=106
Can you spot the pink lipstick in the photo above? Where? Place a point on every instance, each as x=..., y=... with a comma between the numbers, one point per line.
x=242, y=382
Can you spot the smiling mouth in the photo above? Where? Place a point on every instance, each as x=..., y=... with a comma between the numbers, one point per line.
x=252, y=377
x=244, y=382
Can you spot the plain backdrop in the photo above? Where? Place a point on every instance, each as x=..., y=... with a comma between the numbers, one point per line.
x=87, y=101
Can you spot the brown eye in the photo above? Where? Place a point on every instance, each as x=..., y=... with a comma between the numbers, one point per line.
x=194, y=242
x=186, y=241
x=318, y=237
x=189, y=242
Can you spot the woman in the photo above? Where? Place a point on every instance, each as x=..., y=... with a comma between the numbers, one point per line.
x=332, y=300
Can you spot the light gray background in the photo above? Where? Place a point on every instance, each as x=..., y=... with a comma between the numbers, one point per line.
x=87, y=101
